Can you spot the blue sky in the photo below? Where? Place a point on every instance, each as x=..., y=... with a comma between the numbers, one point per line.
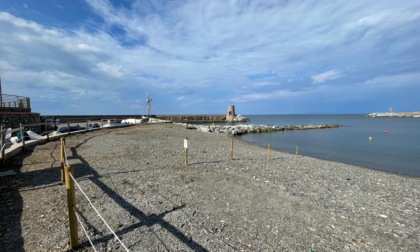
x=265, y=57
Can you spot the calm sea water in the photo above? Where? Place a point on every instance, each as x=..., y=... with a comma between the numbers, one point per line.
x=396, y=151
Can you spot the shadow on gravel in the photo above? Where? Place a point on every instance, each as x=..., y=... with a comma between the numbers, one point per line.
x=207, y=162
x=11, y=202
x=144, y=219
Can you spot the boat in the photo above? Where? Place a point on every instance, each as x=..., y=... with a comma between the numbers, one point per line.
x=71, y=128
x=34, y=136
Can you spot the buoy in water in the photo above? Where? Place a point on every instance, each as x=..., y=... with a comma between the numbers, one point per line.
x=385, y=131
x=370, y=139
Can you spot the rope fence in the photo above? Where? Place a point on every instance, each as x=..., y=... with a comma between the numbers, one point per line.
x=230, y=150
x=67, y=176
x=84, y=230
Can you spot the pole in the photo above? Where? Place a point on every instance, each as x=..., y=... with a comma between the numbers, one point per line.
x=268, y=156
x=71, y=203
x=231, y=149
x=1, y=95
x=186, y=151
x=3, y=149
x=22, y=136
x=68, y=128
x=297, y=149
x=62, y=153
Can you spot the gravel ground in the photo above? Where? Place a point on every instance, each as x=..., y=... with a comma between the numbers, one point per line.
x=135, y=177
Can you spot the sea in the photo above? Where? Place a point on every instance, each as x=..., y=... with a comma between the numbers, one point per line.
x=387, y=144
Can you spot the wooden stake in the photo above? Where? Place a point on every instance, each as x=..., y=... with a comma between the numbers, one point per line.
x=231, y=149
x=268, y=157
x=186, y=151
x=62, y=157
x=71, y=203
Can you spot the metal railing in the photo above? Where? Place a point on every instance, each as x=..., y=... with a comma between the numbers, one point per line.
x=51, y=130
x=14, y=101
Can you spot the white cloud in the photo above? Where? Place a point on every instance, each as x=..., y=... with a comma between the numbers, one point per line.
x=113, y=70
x=192, y=50
x=261, y=96
x=326, y=76
x=405, y=80
x=182, y=98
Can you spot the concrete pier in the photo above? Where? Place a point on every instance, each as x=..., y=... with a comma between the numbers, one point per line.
x=189, y=118
x=181, y=118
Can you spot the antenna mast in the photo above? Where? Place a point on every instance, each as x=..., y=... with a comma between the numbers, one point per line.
x=149, y=105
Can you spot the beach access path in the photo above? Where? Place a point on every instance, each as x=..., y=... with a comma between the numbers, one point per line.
x=136, y=178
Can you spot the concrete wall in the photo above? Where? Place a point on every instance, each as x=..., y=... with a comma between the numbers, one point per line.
x=14, y=119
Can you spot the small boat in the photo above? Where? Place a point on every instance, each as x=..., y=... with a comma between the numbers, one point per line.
x=71, y=128
x=34, y=136
x=132, y=121
x=111, y=125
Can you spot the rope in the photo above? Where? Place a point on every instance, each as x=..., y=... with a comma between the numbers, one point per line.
x=84, y=230
x=97, y=212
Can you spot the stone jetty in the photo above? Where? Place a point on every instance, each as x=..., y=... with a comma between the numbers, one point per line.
x=250, y=128
x=394, y=114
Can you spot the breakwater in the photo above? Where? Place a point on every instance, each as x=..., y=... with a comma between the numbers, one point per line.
x=394, y=114
x=190, y=118
x=177, y=118
x=249, y=129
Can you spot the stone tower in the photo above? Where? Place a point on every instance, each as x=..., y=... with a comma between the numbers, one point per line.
x=230, y=113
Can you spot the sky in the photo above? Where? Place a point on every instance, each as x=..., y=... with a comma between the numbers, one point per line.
x=90, y=57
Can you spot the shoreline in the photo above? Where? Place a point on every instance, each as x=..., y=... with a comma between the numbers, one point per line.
x=330, y=160
x=239, y=129
x=137, y=177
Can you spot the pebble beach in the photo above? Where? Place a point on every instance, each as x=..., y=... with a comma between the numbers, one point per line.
x=136, y=178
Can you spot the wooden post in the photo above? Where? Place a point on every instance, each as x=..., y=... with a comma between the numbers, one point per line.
x=22, y=135
x=71, y=204
x=268, y=156
x=186, y=151
x=231, y=149
x=3, y=148
x=62, y=157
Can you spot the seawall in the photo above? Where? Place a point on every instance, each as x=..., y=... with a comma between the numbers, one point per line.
x=184, y=118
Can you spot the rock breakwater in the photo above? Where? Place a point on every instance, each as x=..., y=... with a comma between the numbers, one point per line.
x=394, y=114
x=250, y=129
